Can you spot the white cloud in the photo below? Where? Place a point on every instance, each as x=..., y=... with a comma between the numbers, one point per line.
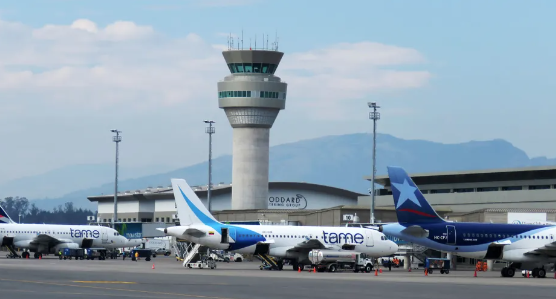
x=86, y=66
x=351, y=71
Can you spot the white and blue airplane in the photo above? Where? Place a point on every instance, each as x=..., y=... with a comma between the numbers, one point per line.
x=50, y=238
x=274, y=244
x=524, y=246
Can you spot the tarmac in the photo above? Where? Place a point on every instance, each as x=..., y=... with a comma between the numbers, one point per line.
x=50, y=278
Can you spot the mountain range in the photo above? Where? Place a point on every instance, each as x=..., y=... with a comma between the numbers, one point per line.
x=340, y=161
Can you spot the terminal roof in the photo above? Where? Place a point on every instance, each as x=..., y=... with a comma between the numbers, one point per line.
x=489, y=175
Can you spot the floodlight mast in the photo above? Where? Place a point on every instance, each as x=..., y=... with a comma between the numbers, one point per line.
x=209, y=130
x=374, y=116
x=117, y=139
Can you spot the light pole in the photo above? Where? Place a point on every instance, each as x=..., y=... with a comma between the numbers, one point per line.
x=117, y=139
x=374, y=116
x=209, y=130
x=19, y=218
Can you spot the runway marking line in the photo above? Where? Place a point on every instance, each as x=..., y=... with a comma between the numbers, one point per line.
x=113, y=282
x=113, y=289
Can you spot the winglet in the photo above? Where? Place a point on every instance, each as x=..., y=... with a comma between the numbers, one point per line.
x=190, y=208
x=411, y=206
x=4, y=217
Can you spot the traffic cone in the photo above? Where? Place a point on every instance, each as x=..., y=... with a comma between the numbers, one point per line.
x=475, y=273
x=40, y=256
x=153, y=266
x=315, y=270
x=376, y=272
x=409, y=269
x=380, y=270
x=527, y=273
x=426, y=272
x=298, y=269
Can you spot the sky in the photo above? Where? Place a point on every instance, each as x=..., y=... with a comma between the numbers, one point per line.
x=444, y=71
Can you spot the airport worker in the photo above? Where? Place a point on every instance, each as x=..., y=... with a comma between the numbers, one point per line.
x=389, y=265
x=136, y=256
x=60, y=253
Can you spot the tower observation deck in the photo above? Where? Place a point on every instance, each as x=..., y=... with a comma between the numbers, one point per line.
x=251, y=97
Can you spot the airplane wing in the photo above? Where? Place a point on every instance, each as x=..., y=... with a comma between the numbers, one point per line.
x=548, y=250
x=51, y=241
x=308, y=245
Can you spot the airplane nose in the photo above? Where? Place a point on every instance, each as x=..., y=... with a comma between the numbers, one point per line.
x=393, y=247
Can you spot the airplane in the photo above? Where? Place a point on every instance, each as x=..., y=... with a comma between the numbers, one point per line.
x=525, y=246
x=49, y=238
x=273, y=244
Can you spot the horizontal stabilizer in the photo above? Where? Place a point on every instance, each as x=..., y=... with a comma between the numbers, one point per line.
x=416, y=231
x=195, y=232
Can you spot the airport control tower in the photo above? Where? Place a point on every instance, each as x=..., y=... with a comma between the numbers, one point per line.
x=251, y=97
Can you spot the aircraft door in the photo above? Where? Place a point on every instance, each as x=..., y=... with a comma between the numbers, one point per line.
x=369, y=241
x=104, y=236
x=451, y=237
x=232, y=234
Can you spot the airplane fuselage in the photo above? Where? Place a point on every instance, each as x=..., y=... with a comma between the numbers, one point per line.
x=481, y=240
x=48, y=238
x=280, y=239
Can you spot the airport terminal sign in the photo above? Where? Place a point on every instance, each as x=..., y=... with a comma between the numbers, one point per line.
x=287, y=201
x=527, y=218
x=130, y=230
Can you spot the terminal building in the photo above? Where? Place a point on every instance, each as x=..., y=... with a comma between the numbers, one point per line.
x=485, y=195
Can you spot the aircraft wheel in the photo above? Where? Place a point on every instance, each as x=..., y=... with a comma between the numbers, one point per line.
x=541, y=273
x=510, y=272
x=504, y=272
x=535, y=272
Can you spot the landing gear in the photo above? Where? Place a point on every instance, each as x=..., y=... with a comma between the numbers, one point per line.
x=508, y=272
x=539, y=272
x=38, y=255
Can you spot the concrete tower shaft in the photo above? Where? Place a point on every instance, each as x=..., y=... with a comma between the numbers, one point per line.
x=251, y=97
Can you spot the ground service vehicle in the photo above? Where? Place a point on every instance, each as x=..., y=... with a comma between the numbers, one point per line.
x=437, y=263
x=332, y=260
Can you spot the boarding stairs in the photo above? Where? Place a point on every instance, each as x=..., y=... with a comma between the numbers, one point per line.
x=268, y=260
x=13, y=252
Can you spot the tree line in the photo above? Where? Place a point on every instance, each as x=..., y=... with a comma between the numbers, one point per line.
x=30, y=213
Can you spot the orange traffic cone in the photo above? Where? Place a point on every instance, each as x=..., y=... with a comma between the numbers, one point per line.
x=380, y=270
x=376, y=272
x=153, y=266
x=40, y=256
x=426, y=272
x=475, y=275
x=527, y=273
x=298, y=269
x=315, y=270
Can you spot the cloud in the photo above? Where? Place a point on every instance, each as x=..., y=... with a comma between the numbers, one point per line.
x=351, y=71
x=82, y=65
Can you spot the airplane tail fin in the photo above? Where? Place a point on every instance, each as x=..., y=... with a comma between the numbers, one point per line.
x=190, y=208
x=411, y=205
x=4, y=217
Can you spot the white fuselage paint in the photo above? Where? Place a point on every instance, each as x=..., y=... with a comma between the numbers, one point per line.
x=283, y=238
x=24, y=235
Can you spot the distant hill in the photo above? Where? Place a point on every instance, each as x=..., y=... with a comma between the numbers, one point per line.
x=59, y=182
x=339, y=161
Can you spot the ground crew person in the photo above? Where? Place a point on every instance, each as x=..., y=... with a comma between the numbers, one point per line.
x=136, y=256
x=60, y=253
